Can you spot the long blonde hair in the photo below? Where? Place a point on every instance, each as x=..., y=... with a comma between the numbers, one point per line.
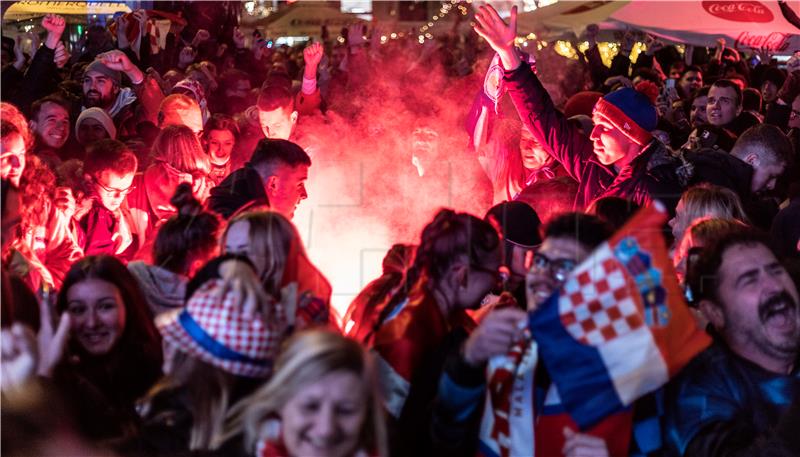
x=271, y=236
x=307, y=357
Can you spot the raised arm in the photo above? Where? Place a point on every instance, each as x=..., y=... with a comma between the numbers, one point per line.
x=566, y=142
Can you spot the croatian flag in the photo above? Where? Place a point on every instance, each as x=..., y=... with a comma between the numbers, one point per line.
x=619, y=327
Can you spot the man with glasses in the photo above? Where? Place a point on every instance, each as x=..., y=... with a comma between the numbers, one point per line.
x=569, y=239
x=107, y=226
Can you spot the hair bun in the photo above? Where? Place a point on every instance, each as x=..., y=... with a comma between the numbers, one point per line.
x=183, y=199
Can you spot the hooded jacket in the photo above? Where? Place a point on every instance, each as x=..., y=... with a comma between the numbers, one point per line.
x=243, y=187
x=163, y=289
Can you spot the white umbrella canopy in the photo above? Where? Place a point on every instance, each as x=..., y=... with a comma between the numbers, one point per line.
x=304, y=19
x=567, y=18
x=744, y=24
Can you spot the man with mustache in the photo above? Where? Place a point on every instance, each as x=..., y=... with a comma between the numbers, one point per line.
x=741, y=396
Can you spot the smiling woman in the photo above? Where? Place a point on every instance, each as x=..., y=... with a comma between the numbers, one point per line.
x=114, y=353
x=322, y=401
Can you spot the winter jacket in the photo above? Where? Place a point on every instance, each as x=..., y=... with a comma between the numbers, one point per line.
x=722, y=169
x=722, y=404
x=241, y=188
x=649, y=176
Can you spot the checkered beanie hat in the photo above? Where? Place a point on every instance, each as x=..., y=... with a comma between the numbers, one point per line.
x=631, y=112
x=217, y=332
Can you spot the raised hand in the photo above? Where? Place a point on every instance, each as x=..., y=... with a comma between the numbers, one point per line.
x=201, y=36
x=355, y=35
x=117, y=60
x=19, y=56
x=61, y=56
x=494, y=336
x=54, y=24
x=35, y=42
x=186, y=57
x=500, y=36
x=312, y=55
x=19, y=357
x=140, y=15
x=122, y=32
x=52, y=343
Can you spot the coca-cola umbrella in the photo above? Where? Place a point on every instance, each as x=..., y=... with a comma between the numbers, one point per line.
x=744, y=24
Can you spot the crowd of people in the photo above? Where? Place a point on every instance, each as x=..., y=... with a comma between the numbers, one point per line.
x=158, y=299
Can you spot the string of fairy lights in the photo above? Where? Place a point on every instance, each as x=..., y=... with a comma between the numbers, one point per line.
x=425, y=31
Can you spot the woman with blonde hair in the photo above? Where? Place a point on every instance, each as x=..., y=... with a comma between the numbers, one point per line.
x=705, y=200
x=322, y=400
x=216, y=353
x=271, y=243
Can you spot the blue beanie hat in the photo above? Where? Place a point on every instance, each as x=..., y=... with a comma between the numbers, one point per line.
x=630, y=111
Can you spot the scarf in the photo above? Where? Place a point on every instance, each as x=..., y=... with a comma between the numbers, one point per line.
x=125, y=97
x=508, y=419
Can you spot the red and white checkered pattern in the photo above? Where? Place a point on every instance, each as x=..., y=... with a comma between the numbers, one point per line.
x=224, y=322
x=597, y=305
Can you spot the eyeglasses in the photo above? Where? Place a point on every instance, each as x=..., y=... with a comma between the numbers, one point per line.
x=112, y=191
x=559, y=268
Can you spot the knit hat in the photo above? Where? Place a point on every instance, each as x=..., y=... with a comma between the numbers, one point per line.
x=216, y=331
x=101, y=68
x=581, y=103
x=517, y=222
x=631, y=112
x=100, y=116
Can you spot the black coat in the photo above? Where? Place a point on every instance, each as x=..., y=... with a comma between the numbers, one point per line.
x=722, y=169
x=241, y=188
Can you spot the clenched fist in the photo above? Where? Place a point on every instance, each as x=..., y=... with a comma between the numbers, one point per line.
x=54, y=24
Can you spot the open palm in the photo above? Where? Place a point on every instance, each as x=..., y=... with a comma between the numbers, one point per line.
x=494, y=29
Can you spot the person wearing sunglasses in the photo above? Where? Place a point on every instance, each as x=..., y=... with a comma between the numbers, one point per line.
x=460, y=400
x=108, y=226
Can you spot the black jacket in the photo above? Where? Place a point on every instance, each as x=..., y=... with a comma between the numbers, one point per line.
x=649, y=176
x=241, y=188
x=722, y=169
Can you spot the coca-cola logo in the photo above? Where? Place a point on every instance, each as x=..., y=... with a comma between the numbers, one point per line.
x=741, y=11
x=774, y=41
